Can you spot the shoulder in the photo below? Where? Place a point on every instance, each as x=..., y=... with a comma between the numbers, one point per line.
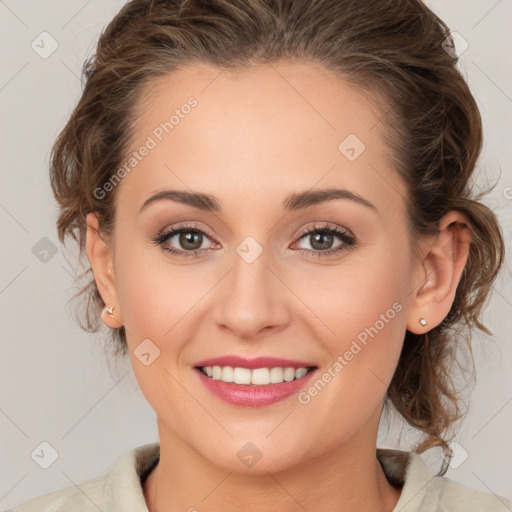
x=450, y=495
x=84, y=497
x=424, y=492
x=118, y=490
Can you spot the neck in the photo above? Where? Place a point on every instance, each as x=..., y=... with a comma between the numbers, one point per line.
x=347, y=478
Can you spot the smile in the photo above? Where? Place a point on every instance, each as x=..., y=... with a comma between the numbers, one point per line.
x=256, y=376
x=256, y=382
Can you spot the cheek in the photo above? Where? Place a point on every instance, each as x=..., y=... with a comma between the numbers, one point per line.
x=367, y=325
x=353, y=295
x=154, y=293
x=154, y=297
x=159, y=300
x=362, y=310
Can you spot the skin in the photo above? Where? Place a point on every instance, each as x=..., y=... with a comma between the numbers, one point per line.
x=254, y=138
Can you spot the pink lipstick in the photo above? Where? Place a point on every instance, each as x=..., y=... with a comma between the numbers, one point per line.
x=253, y=382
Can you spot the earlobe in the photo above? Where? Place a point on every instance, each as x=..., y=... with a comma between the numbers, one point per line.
x=100, y=257
x=439, y=272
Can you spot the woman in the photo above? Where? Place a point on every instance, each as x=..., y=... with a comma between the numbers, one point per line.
x=274, y=197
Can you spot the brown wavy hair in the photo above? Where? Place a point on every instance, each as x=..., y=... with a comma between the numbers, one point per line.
x=391, y=50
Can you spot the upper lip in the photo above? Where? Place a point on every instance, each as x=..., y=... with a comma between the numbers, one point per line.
x=258, y=362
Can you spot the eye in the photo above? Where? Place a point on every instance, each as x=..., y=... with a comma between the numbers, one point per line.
x=321, y=239
x=190, y=238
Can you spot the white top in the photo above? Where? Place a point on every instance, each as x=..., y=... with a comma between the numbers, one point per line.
x=120, y=490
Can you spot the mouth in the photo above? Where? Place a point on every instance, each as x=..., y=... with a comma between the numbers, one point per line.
x=256, y=376
x=253, y=382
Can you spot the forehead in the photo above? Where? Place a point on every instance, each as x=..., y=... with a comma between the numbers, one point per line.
x=319, y=100
x=273, y=127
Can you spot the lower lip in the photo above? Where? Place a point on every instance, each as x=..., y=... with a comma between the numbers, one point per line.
x=252, y=395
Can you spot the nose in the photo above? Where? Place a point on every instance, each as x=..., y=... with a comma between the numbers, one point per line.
x=253, y=299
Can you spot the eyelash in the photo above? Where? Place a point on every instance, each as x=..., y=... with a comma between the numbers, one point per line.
x=348, y=240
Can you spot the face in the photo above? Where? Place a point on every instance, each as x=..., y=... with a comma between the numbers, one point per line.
x=262, y=272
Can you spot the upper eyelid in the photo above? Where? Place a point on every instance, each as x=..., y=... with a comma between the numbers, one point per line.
x=324, y=225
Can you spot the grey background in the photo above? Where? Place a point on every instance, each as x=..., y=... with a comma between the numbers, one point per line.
x=55, y=384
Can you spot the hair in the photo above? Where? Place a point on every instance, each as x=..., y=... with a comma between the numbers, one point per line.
x=391, y=50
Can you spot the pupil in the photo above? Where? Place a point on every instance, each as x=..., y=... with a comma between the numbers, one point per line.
x=324, y=237
x=188, y=238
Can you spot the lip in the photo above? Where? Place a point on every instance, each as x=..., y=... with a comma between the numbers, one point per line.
x=254, y=395
x=258, y=362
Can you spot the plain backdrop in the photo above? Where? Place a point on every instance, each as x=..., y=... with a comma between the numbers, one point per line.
x=55, y=384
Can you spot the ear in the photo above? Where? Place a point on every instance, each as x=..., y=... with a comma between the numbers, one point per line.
x=438, y=272
x=101, y=260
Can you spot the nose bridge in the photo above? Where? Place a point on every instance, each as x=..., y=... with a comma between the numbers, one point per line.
x=253, y=299
x=251, y=267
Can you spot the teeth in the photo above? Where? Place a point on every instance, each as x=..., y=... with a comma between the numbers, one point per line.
x=227, y=374
x=241, y=376
x=300, y=372
x=276, y=375
x=289, y=374
x=258, y=376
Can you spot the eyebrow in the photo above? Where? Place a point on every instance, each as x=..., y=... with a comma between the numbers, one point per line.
x=296, y=201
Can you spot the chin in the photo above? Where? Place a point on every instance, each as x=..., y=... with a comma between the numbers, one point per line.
x=253, y=457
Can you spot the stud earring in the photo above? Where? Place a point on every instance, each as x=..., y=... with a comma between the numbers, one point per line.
x=423, y=321
x=110, y=312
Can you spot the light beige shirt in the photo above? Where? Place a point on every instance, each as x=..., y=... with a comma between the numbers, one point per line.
x=120, y=490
